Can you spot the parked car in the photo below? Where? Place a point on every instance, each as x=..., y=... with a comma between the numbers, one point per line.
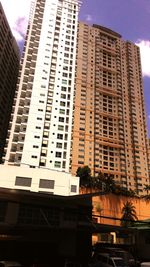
x=118, y=252
x=104, y=259
x=99, y=264
x=145, y=264
x=126, y=256
x=69, y=263
x=117, y=262
x=10, y=264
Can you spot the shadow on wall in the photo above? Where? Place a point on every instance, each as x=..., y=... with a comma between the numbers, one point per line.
x=111, y=205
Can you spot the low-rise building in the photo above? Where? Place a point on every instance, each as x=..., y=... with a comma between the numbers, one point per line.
x=39, y=180
x=45, y=229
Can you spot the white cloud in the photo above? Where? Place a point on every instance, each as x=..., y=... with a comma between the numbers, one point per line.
x=88, y=18
x=145, y=56
x=17, y=13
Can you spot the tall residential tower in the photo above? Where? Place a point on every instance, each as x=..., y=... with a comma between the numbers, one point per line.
x=109, y=132
x=39, y=138
x=41, y=125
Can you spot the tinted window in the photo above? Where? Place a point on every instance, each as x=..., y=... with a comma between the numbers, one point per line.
x=23, y=181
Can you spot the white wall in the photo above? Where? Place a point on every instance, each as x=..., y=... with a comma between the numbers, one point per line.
x=62, y=184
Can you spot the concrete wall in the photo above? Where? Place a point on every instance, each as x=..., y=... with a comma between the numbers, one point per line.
x=63, y=182
x=110, y=205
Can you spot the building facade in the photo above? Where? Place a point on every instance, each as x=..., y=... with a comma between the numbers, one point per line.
x=149, y=156
x=39, y=180
x=45, y=229
x=41, y=123
x=109, y=132
x=104, y=103
x=9, y=67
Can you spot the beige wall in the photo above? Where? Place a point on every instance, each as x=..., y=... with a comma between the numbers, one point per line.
x=111, y=205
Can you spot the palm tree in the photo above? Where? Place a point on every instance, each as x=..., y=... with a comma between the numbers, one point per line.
x=128, y=214
x=85, y=176
x=110, y=185
x=147, y=188
x=147, y=195
x=98, y=181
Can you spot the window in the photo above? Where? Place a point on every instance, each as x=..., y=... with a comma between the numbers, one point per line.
x=48, y=117
x=43, y=152
x=38, y=127
x=36, y=136
x=46, y=125
x=64, y=81
x=63, y=96
x=46, y=183
x=45, y=134
x=61, y=119
x=66, y=136
x=58, y=154
x=64, y=155
x=66, y=61
x=65, y=145
x=57, y=164
x=62, y=104
x=23, y=181
x=60, y=127
x=59, y=145
x=48, y=109
x=42, y=162
x=45, y=143
x=59, y=136
x=64, y=164
x=65, y=74
x=73, y=188
x=62, y=111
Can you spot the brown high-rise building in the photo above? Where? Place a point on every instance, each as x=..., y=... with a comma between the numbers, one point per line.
x=149, y=156
x=9, y=64
x=109, y=133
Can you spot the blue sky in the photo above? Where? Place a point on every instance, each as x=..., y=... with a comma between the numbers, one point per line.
x=130, y=18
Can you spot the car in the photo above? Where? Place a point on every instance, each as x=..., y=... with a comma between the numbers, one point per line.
x=104, y=259
x=99, y=264
x=69, y=263
x=10, y=264
x=118, y=252
x=98, y=260
x=145, y=264
x=117, y=262
x=126, y=256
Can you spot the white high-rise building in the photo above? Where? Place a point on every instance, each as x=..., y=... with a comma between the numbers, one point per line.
x=40, y=129
x=41, y=125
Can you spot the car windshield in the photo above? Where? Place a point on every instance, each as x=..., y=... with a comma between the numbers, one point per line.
x=119, y=263
x=124, y=254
